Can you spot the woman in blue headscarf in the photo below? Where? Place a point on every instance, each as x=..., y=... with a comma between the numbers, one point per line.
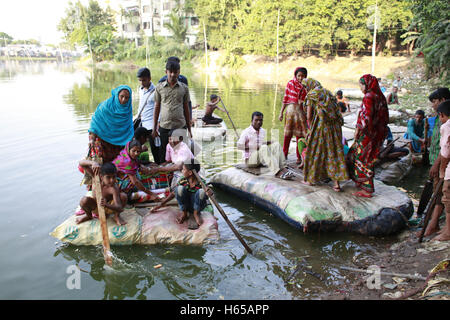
x=111, y=125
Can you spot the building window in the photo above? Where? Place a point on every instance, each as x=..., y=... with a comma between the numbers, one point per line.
x=194, y=21
x=166, y=5
x=147, y=25
x=146, y=9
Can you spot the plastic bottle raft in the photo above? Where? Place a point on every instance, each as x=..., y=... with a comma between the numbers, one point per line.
x=320, y=208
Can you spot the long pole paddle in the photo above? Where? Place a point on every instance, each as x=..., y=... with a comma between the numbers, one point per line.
x=425, y=197
x=228, y=114
x=430, y=208
x=102, y=218
x=213, y=199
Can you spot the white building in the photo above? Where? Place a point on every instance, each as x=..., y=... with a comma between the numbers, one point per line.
x=151, y=17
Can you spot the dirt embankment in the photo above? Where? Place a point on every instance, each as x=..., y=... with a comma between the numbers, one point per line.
x=260, y=69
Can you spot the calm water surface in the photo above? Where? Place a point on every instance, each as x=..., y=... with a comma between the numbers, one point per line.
x=45, y=112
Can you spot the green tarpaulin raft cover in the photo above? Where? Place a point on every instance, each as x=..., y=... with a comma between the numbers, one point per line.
x=158, y=227
x=320, y=208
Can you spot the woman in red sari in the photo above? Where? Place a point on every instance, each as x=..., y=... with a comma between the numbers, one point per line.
x=371, y=130
x=295, y=120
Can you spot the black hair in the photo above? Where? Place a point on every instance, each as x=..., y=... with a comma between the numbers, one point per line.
x=176, y=59
x=108, y=168
x=141, y=132
x=257, y=114
x=143, y=73
x=420, y=112
x=339, y=93
x=134, y=143
x=439, y=93
x=172, y=65
x=302, y=70
x=444, y=108
x=192, y=165
x=213, y=96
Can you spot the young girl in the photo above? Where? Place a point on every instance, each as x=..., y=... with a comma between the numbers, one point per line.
x=127, y=164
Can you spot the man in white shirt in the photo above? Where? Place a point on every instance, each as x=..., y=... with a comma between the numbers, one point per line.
x=257, y=151
x=146, y=110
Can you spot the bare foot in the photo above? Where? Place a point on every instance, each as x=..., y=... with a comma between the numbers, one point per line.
x=183, y=218
x=428, y=232
x=119, y=221
x=197, y=218
x=83, y=218
x=444, y=236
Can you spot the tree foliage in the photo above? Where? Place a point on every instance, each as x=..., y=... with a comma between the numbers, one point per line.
x=90, y=26
x=322, y=26
x=431, y=28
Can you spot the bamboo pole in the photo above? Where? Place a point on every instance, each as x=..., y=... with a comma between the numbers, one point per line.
x=224, y=215
x=374, y=44
x=102, y=219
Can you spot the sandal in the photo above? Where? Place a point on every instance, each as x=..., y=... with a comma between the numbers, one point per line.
x=288, y=175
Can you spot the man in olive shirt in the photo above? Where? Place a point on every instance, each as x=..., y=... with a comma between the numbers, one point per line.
x=172, y=104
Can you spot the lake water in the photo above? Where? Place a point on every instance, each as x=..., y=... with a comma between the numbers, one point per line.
x=45, y=112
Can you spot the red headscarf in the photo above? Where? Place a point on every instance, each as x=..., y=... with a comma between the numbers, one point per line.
x=294, y=90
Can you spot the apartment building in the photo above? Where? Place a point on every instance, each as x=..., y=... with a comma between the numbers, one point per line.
x=150, y=17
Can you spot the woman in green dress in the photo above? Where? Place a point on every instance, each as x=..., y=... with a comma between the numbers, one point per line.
x=325, y=152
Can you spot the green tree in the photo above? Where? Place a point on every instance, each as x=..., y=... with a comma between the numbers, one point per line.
x=90, y=26
x=431, y=28
x=5, y=38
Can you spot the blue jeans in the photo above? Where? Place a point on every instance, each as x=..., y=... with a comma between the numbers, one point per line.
x=190, y=201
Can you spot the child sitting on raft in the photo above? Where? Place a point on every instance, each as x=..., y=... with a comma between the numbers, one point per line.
x=177, y=153
x=190, y=196
x=128, y=165
x=112, y=199
x=211, y=106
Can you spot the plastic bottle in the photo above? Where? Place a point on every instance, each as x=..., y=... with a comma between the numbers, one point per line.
x=157, y=141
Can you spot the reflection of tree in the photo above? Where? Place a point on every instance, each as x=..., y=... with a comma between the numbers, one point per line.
x=86, y=97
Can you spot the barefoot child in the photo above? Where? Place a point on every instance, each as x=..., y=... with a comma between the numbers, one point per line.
x=112, y=199
x=190, y=196
x=444, y=170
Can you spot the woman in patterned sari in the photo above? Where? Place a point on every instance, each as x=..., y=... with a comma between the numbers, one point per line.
x=371, y=130
x=295, y=122
x=325, y=153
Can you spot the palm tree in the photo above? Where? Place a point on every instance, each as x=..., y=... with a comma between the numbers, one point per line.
x=177, y=27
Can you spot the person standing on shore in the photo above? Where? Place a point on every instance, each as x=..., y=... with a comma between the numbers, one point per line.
x=172, y=104
x=444, y=168
x=295, y=120
x=436, y=98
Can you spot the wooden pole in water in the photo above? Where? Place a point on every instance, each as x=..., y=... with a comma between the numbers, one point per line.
x=103, y=223
x=228, y=114
x=224, y=215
